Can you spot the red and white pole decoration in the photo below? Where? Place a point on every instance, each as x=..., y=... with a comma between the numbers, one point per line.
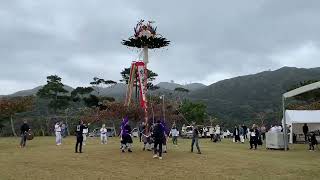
x=145, y=37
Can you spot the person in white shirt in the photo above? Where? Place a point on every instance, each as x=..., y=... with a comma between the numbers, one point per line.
x=103, y=134
x=175, y=133
x=273, y=129
x=276, y=129
x=57, y=129
x=211, y=132
x=84, y=134
x=217, y=133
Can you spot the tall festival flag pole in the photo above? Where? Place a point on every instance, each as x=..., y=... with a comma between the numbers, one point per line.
x=145, y=37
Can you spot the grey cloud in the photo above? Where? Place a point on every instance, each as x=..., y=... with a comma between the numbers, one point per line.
x=211, y=40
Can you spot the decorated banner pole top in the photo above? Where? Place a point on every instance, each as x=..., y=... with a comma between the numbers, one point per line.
x=146, y=37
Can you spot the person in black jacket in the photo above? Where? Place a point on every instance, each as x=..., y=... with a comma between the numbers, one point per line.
x=236, y=134
x=195, y=139
x=79, y=135
x=305, y=130
x=24, y=130
x=245, y=129
x=158, y=136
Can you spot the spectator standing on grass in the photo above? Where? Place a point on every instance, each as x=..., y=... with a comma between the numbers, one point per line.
x=263, y=132
x=195, y=139
x=218, y=132
x=174, y=133
x=236, y=134
x=63, y=130
x=24, y=130
x=241, y=132
x=211, y=132
x=305, y=130
x=84, y=134
x=253, y=139
x=103, y=134
x=245, y=129
x=205, y=131
x=57, y=130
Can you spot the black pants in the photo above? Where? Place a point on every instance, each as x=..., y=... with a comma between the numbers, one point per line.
x=156, y=144
x=79, y=141
x=211, y=137
x=263, y=136
x=237, y=138
x=311, y=146
x=175, y=140
x=305, y=137
x=253, y=142
x=23, y=140
x=140, y=136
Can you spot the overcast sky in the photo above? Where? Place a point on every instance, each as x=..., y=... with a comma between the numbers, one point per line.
x=210, y=39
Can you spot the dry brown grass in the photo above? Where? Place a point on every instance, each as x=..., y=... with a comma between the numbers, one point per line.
x=43, y=160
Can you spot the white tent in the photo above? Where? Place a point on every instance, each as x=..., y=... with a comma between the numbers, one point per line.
x=297, y=118
x=292, y=93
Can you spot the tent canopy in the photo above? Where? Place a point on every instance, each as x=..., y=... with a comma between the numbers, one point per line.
x=302, y=116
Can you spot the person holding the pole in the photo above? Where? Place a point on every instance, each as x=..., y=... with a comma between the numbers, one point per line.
x=195, y=138
x=24, y=130
x=158, y=136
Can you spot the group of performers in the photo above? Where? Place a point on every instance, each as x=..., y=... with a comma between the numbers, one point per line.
x=155, y=140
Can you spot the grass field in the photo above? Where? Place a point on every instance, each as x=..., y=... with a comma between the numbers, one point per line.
x=226, y=160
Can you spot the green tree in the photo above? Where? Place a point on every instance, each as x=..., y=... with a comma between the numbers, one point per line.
x=10, y=107
x=56, y=94
x=125, y=74
x=80, y=93
x=100, y=83
x=193, y=112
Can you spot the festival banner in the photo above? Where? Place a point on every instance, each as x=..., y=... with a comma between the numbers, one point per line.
x=142, y=76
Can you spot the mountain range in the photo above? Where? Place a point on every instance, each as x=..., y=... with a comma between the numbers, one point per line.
x=118, y=91
x=235, y=100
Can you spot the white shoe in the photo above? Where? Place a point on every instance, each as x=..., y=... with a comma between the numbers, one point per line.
x=155, y=156
x=160, y=158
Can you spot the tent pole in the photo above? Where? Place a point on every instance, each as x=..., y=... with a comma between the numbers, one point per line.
x=285, y=136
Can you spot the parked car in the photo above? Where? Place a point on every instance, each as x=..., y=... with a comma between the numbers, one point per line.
x=95, y=133
x=227, y=134
x=111, y=131
x=188, y=132
x=135, y=132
